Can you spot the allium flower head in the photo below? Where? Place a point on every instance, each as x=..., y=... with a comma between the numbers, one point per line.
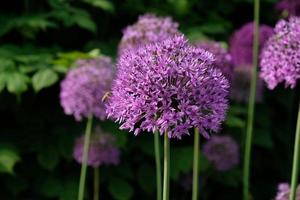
x=292, y=7
x=148, y=29
x=170, y=87
x=84, y=86
x=223, y=151
x=280, y=57
x=102, y=149
x=283, y=192
x=241, y=43
x=223, y=58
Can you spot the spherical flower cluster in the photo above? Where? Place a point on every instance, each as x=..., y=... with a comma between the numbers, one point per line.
x=148, y=29
x=223, y=58
x=84, y=86
x=283, y=192
x=292, y=7
x=240, y=85
x=102, y=149
x=241, y=43
x=223, y=151
x=280, y=57
x=170, y=87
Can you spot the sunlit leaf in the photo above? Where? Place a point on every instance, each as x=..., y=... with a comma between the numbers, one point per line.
x=8, y=158
x=17, y=82
x=120, y=189
x=44, y=78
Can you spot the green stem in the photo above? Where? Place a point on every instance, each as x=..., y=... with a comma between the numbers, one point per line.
x=158, y=165
x=251, y=105
x=96, y=183
x=196, y=165
x=295, y=171
x=87, y=136
x=166, y=167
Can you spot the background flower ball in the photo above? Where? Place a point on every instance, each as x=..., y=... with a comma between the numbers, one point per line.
x=222, y=151
x=148, y=29
x=84, y=86
x=280, y=57
x=102, y=149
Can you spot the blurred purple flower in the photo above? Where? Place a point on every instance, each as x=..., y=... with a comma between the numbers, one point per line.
x=170, y=87
x=280, y=57
x=283, y=192
x=102, y=150
x=292, y=7
x=223, y=151
x=241, y=43
x=240, y=85
x=223, y=58
x=148, y=29
x=84, y=86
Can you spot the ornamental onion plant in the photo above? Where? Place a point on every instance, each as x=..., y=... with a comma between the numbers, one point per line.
x=81, y=96
x=149, y=29
x=170, y=87
x=280, y=63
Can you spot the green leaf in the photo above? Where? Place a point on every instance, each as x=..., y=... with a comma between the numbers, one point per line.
x=8, y=158
x=50, y=187
x=6, y=64
x=263, y=139
x=83, y=20
x=103, y=4
x=120, y=189
x=233, y=121
x=230, y=178
x=48, y=157
x=2, y=81
x=17, y=82
x=181, y=161
x=16, y=184
x=44, y=78
x=69, y=191
x=146, y=178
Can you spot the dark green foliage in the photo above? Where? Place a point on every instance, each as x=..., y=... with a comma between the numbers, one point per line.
x=39, y=42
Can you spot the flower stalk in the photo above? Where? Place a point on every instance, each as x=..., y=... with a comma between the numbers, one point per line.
x=166, y=167
x=88, y=131
x=251, y=105
x=196, y=164
x=158, y=165
x=96, y=183
x=295, y=171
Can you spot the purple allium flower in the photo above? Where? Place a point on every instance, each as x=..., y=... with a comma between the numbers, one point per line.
x=84, y=86
x=170, y=87
x=292, y=7
x=223, y=58
x=102, y=149
x=223, y=151
x=148, y=29
x=240, y=85
x=280, y=57
x=283, y=192
x=241, y=43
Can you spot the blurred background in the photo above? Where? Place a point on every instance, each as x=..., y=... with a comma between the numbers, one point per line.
x=40, y=40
